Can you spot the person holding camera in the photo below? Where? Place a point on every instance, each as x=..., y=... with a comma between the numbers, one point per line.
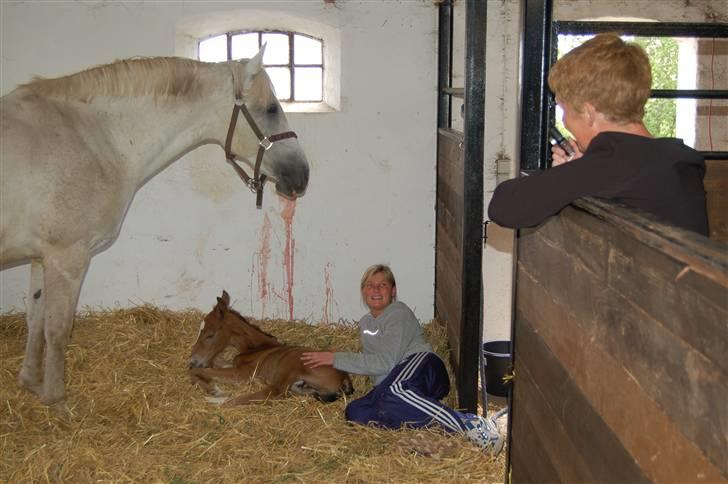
x=602, y=87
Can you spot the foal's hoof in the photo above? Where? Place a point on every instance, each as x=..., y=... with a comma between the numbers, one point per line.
x=216, y=400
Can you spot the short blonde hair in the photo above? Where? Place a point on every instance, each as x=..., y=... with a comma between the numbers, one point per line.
x=613, y=75
x=376, y=269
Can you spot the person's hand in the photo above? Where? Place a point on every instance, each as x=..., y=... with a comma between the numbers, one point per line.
x=319, y=358
x=559, y=156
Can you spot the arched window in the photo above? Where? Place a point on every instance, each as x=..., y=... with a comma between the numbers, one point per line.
x=309, y=75
x=294, y=61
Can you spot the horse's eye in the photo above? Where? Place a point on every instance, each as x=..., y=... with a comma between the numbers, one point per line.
x=272, y=109
x=209, y=335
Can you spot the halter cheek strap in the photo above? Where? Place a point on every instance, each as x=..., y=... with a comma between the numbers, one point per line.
x=257, y=181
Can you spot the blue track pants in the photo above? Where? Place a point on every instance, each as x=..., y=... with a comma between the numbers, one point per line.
x=409, y=396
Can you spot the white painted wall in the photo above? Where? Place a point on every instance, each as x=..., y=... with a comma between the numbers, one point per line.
x=194, y=230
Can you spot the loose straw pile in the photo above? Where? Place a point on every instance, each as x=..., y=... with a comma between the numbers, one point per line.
x=135, y=416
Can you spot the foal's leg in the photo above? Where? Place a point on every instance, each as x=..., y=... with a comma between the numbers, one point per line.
x=63, y=274
x=264, y=395
x=31, y=373
x=204, y=377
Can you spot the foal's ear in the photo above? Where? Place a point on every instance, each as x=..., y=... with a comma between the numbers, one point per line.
x=225, y=297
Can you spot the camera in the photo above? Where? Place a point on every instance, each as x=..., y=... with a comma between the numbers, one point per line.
x=558, y=139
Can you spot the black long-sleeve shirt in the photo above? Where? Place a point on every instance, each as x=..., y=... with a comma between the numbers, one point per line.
x=660, y=176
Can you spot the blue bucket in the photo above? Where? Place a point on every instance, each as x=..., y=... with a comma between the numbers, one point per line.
x=497, y=355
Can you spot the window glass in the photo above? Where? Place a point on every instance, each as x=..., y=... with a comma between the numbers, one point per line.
x=245, y=46
x=281, y=79
x=308, y=83
x=306, y=50
x=214, y=49
x=276, y=50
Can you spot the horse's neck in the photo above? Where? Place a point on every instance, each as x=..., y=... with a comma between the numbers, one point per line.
x=149, y=133
x=247, y=337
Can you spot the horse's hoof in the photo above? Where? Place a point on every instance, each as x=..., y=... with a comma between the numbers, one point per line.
x=30, y=383
x=61, y=411
x=216, y=400
x=51, y=399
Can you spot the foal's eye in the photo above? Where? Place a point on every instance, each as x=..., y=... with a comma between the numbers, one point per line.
x=209, y=335
x=272, y=109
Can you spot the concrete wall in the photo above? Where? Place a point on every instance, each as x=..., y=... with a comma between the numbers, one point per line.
x=194, y=230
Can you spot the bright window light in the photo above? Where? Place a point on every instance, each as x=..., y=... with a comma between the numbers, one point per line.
x=214, y=49
x=297, y=79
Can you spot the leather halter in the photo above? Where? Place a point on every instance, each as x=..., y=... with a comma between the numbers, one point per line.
x=257, y=181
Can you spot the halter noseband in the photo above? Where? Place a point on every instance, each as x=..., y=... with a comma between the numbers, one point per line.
x=257, y=181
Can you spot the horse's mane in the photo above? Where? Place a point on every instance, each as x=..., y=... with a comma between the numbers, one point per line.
x=158, y=76
x=243, y=320
x=161, y=77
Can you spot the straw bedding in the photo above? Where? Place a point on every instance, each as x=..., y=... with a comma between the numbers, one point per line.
x=135, y=416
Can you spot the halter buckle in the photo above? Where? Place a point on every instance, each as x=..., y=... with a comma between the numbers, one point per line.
x=265, y=143
x=253, y=185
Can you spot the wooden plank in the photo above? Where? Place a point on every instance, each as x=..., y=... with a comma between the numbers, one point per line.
x=546, y=429
x=530, y=453
x=655, y=440
x=655, y=283
x=598, y=446
x=716, y=188
x=689, y=388
x=703, y=256
x=450, y=223
x=564, y=278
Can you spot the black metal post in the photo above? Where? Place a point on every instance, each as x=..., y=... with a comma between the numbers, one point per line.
x=534, y=101
x=471, y=272
x=444, y=63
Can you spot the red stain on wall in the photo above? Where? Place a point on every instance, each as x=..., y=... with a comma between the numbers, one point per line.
x=328, y=309
x=287, y=213
x=261, y=262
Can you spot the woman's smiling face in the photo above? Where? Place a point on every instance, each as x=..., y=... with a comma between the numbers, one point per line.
x=378, y=293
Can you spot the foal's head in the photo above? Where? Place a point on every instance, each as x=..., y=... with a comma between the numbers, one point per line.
x=223, y=327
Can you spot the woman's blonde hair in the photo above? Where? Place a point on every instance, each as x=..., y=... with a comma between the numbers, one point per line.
x=376, y=269
x=613, y=75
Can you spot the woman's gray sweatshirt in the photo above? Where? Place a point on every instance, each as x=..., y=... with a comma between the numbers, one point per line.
x=385, y=341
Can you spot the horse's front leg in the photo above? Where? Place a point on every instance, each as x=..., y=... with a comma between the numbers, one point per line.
x=205, y=377
x=261, y=396
x=31, y=372
x=63, y=275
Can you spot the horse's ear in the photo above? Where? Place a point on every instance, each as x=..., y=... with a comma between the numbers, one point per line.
x=226, y=297
x=253, y=67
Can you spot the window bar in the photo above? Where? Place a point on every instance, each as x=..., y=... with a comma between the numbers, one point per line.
x=291, y=69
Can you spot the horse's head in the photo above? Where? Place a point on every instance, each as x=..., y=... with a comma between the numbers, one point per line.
x=283, y=161
x=214, y=334
x=223, y=327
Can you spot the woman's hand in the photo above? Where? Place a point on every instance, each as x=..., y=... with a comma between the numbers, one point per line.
x=319, y=358
x=559, y=156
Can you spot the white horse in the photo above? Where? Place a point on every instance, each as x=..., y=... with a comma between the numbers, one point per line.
x=75, y=150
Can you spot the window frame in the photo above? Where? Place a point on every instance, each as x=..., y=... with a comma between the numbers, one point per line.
x=291, y=65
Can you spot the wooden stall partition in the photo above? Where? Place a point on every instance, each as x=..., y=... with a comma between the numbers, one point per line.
x=716, y=186
x=621, y=337
x=448, y=244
